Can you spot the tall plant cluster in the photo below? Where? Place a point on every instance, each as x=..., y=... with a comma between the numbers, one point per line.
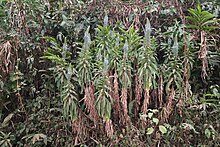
x=121, y=79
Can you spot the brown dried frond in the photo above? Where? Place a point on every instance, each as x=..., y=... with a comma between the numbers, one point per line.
x=163, y=115
x=109, y=128
x=203, y=54
x=146, y=101
x=138, y=94
x=154, y=96
x=124, y=102
x=185, y=80
x=116, y=98
x=93, y=109
x=180, y=105
x=130, y=94
x=119, y=10
x=160, y=91
x=170, y=102
x=20, y=101
x=89, y=99
x=6, y=58
x=78, y=129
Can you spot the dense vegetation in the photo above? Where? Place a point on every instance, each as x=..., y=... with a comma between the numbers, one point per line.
x=109, y=73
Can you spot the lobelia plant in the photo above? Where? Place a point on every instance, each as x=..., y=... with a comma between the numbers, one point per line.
x=64, y=75
x=104, y=102
x=147, y=63
x=204, y=22
x=124, y=71
x=104, y=99
x=201, y=20
x=172, y=72
x=128, y=68
x=85, y=68
x=115, y=55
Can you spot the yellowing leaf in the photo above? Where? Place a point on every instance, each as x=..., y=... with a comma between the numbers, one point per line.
x=162, y=129
x=155, y=120
x=150, y=130
x=38, y=137
x=7, y=119
x=150, y=115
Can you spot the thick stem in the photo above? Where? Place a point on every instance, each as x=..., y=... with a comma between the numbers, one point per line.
x=160, y=91
x=170, y=102
x=124, y=102
x=116, y=98
x=138, y=94
x=203, y=54
x=146, y=101
x=89, y=99
x=109, y=128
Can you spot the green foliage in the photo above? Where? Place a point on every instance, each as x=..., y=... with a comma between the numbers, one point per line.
x=148, y=67
x=36, y=138
x=84, y=62
x=44, y=81
x=173, y=64
x=64, y=75
x=104, y=99
x=5, y=139
x=125, y=68
x=202, y=20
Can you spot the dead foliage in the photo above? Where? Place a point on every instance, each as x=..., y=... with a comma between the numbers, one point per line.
x=116, y=97
x=7, y=59
x=89, y=100
x=124, y=103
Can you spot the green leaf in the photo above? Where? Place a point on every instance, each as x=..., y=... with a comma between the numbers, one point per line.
x=156, y=120
x=190, y=127
x=150, y=130
x=194, y=20
x=192, y=27
x=207, y=133
x=162, y=129
x=199, y=8
x=7, y=119
x=208, y=22
x=150, y=115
